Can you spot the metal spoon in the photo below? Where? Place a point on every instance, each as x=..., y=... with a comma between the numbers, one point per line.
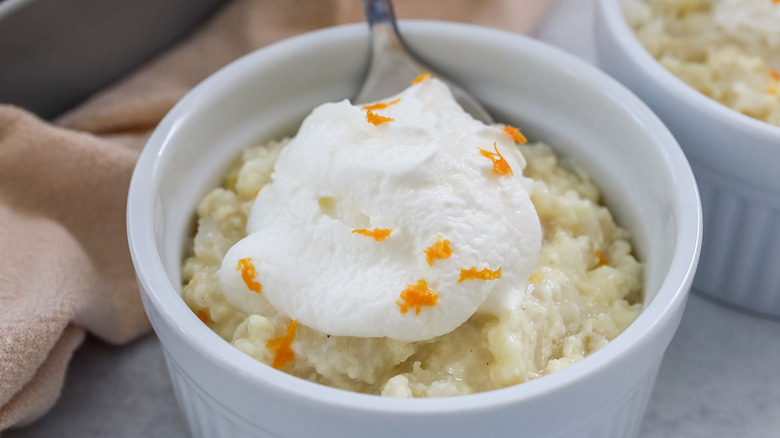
x=392, y=66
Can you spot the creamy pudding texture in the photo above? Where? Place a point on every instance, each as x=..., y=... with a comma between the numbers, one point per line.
x=756, y=22
x=729, y=50
x=405, y=249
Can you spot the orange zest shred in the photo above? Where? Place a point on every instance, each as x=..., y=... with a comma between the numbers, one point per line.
x=500, y=166
x=283, y=354
x=602, y=261
x=376, y=119
x=415, y=296
x=536, y=277
x=381, y=105
x=257, y=192
x=774, y=73
x=248, y=273
x=420, y=78
x=474, y=274
x=203, y=316
x=515, y=134
x=439, y=250
x=378, y=234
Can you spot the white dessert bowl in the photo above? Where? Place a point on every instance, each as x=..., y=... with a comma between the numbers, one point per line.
x=736, y=161
x=552, y=96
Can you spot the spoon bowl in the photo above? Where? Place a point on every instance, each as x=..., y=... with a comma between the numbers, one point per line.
x=393, y=65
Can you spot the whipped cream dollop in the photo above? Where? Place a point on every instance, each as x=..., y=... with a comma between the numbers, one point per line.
x=751, y=21
x=399, y=221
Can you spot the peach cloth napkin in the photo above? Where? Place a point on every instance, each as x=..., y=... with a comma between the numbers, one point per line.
x=65, y=268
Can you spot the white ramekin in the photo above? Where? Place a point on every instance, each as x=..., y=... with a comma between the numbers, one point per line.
x=552, y=96
x=736, y=160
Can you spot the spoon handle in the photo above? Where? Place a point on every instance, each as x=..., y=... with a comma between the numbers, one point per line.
x=380, y=12
x=392, y=67
x=384, y=29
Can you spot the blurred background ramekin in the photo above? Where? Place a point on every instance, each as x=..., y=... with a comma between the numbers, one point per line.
x=736, y=161
x=552, y=96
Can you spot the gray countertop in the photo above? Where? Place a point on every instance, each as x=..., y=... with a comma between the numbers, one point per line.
x=720, y=376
